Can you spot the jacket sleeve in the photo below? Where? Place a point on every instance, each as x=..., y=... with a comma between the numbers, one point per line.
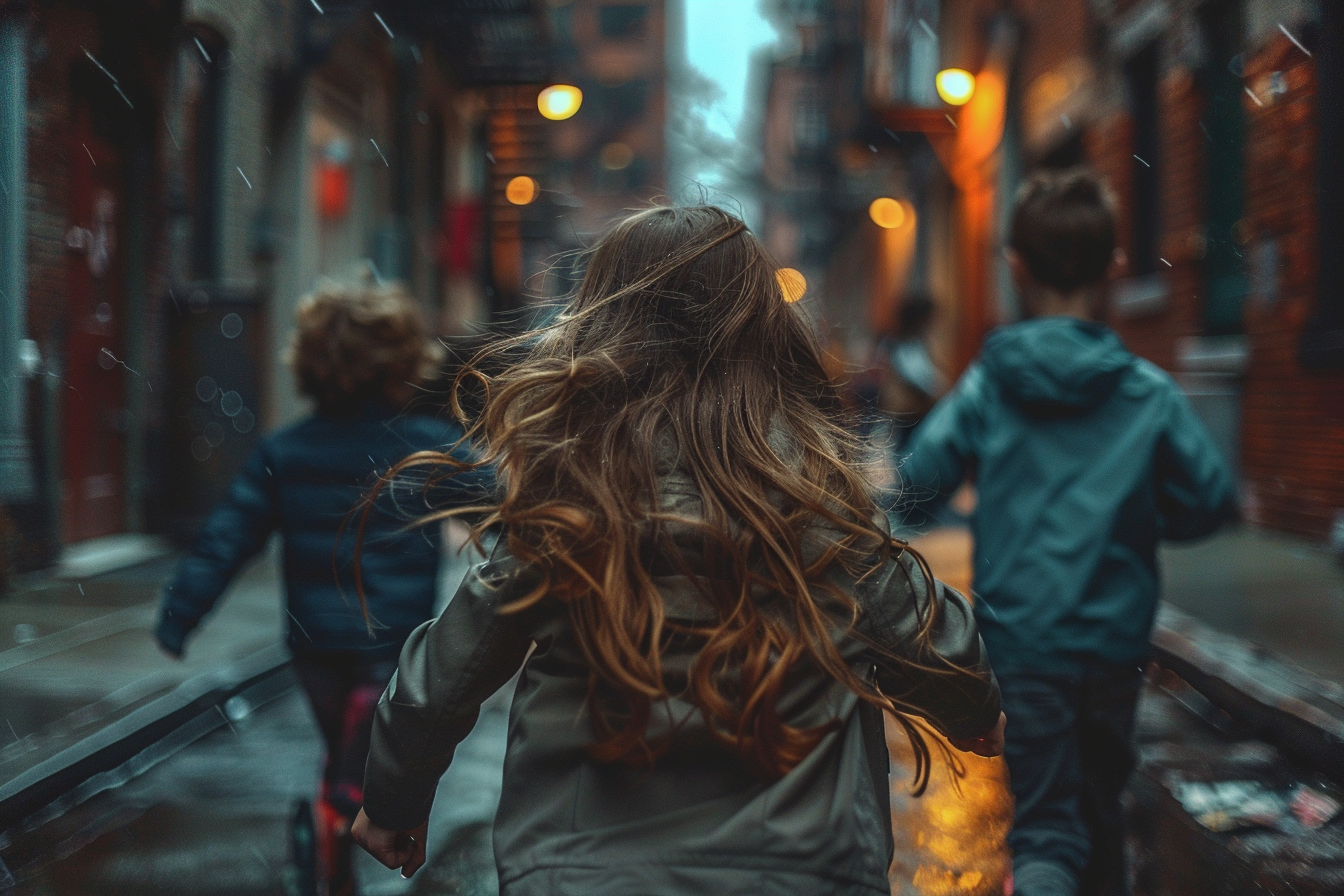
x=1195, y=494
x=947, y=679
x=235, y=531
x=941, y=451
x=448, y=668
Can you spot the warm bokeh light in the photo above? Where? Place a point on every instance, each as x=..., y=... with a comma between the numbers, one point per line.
x=559, y=101
x=952, y=840
x=955, y=85
x=887, y=212
x=792, y=283
x=616, y=156
x=521, y=190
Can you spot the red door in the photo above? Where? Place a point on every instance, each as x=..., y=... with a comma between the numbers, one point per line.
x=93, y=411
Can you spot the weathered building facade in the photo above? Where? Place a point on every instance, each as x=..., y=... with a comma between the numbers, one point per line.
x=177, y=174
x=1209, y=118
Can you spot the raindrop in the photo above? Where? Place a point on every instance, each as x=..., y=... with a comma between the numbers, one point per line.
x=103, y=314
x=231, y=326
x=106, y=359
x=214, y=434
x=422, y=117
x=236, y=708
x=244, y=421
x=25, y=633
x=206, y=387
x=200, y=448
x=231, y=403
x=198, y=300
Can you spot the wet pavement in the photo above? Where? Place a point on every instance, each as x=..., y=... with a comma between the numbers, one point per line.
x=213, y=812
x=216, y=816
x=1273, y=590
x=209, y=809
x=80, y=655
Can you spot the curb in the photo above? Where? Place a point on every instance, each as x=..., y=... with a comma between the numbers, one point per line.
x=189, y=711
x=1276, y=702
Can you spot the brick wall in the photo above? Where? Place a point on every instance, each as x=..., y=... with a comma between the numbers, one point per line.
x=1154, y=334
x=1293, y=420
x=1292, y=424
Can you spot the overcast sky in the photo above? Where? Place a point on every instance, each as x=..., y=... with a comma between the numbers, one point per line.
x=720, y=38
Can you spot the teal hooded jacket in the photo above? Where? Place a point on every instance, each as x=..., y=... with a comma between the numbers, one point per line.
x=1084, y=457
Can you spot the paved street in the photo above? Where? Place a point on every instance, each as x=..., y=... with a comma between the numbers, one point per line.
x=215, y=816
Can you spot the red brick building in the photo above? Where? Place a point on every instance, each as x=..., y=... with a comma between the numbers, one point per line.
x=1206, y=118
x=1209, y=118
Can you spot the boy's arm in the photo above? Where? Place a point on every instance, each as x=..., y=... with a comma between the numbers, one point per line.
x=941, y=451
x=235, y=531
x=1195, y=493
x=448, y=667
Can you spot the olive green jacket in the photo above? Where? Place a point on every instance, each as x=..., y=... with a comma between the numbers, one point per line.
x=699, y=821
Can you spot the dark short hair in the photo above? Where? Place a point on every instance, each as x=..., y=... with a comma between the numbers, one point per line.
x=1064, y=228
x=359, y=343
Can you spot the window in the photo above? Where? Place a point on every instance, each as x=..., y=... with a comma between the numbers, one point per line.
x=913, y=45
x=193, y=117
x=1141, y=73
x=1225, y=280
x=623, y=21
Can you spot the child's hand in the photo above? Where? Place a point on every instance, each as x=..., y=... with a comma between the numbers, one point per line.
x=990, y=744
x=395, y=849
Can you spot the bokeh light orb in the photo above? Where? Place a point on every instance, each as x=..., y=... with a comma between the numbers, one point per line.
x=955, y=85
x=616, y=156
x=521, y=190
x=887, y=212
x=792, y=283
x=559, y=101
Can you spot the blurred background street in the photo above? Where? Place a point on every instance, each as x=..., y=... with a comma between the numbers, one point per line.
x=176, y=174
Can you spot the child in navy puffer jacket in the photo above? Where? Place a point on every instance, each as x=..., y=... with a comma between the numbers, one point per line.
x=358, y=353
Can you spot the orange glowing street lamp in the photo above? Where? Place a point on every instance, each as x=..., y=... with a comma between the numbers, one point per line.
x=887, y=213
x=792, y=283
x=521, y=190
x=559, y=101
x=955, y=85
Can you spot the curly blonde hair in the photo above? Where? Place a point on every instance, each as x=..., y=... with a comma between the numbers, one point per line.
x=357, y=344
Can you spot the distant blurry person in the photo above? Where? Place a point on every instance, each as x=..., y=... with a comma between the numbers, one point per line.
x=1084, y=457
x=358, y=353
x=910, y=381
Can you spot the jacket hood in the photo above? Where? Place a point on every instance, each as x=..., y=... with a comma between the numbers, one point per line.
x=1056, y=364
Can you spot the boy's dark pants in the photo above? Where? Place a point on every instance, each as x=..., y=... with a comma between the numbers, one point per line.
x=343, y=688
x=1069, y=753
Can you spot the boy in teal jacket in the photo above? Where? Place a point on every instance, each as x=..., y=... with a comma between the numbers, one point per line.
x=1084, y=457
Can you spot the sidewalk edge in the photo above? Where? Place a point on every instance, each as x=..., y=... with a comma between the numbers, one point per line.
x=1286, y=706
x=109, y=747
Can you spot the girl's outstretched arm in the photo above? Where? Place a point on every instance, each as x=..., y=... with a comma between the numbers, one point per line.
x=944, y=676
x=448, y=667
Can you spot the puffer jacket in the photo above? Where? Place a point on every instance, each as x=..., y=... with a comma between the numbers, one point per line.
x=699, y=821
x=304, y=481
x=1084, y=457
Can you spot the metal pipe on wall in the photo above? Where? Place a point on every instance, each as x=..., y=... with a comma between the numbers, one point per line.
x=16, y=472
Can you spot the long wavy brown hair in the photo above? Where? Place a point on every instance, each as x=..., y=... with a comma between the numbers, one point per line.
x=678, y=351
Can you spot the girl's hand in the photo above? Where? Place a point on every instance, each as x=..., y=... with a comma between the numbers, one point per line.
x=395, y=849
x=990, y=744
